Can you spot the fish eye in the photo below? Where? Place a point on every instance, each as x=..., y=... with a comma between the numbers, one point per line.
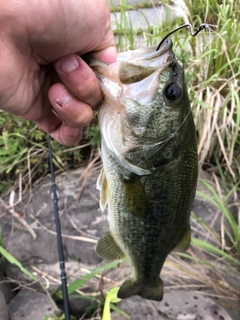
x=173, y=91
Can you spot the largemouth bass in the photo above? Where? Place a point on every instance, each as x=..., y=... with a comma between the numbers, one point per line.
x=149, y=156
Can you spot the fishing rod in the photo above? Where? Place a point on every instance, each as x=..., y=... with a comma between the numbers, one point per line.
x=55, y=198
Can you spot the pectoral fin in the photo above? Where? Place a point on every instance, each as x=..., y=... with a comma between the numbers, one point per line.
x=107, y=248
x=185, y=242
x=102, y=186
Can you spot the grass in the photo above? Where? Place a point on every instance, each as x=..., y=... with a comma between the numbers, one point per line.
x=24, y=153
x=212, y=67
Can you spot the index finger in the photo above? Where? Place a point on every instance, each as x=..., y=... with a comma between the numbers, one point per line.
x=106, y=50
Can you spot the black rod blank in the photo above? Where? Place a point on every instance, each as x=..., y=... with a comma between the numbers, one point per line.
x=55, y=198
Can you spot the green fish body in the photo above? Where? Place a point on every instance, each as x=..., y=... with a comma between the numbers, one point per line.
x=149, y=156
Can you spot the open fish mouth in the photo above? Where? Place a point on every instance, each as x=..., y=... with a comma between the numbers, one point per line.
x=139, y=64
x=148, y=53
x=147, y=57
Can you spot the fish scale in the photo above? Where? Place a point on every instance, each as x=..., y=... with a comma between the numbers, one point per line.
x=149, y=155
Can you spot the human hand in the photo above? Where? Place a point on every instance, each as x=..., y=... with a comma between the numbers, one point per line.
x=40, y=65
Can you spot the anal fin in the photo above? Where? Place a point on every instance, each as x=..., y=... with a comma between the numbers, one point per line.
x=107, y=248
x=184, y=244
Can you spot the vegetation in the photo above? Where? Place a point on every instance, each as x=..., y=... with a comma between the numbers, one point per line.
x=212, y=68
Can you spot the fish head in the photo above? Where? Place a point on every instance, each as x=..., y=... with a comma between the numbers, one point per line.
x=145, y=101
x=156, y=103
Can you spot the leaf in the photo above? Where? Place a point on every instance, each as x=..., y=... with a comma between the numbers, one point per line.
x=12, y=260
x=108, y=305
x=210, y=248
x=111, y=297
x=80, y=282
x=120, y=311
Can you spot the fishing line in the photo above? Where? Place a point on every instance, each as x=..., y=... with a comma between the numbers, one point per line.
x=201, y=27
x=208, y=56
x=150, y=154
x=55, y=198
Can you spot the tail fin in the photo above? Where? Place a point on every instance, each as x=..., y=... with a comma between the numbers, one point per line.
x=131, y=287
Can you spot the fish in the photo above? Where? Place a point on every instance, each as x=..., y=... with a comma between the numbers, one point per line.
x=150, y=163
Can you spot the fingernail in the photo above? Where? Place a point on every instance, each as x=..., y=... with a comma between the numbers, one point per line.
x=69, y=64
x=63, y=99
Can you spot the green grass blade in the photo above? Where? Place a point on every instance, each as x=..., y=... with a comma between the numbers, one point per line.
x=120, y=311
x=210, y=248
x=80, y=282
x=12, y=260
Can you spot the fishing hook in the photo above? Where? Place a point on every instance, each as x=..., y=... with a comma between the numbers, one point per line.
x=201, y=27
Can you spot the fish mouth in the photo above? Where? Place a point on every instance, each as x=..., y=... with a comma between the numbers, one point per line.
x=165, y=51
x=167, y=45
x=149, y=56
x=162, y=57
